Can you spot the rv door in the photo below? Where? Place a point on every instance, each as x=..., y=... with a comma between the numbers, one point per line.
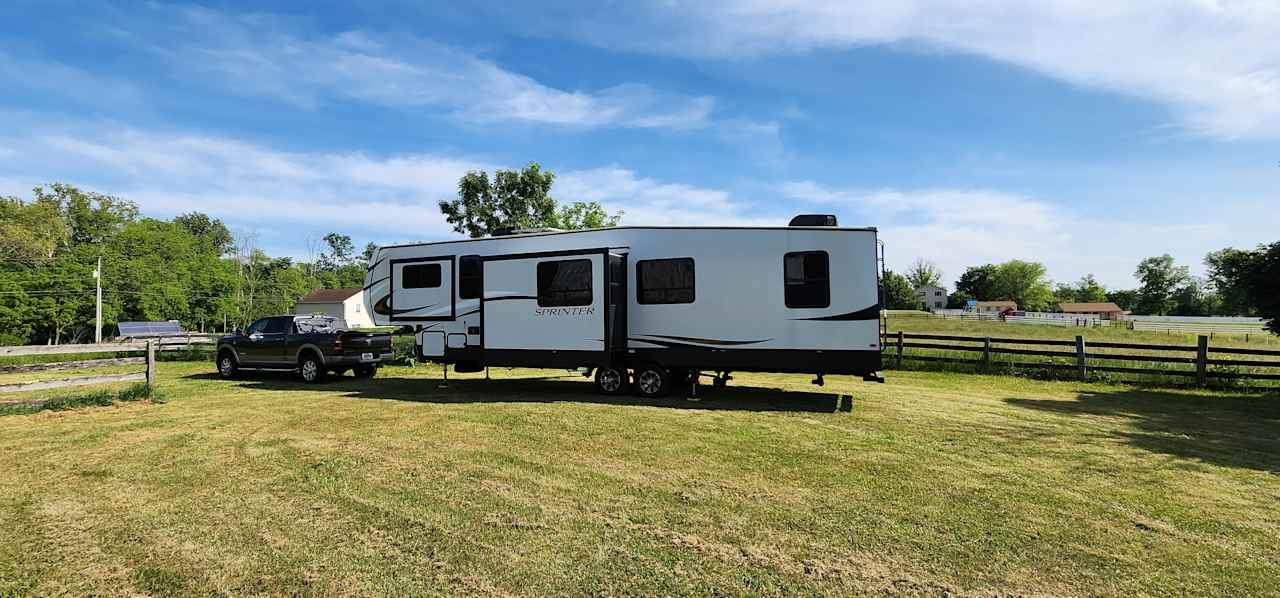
x=547, y=302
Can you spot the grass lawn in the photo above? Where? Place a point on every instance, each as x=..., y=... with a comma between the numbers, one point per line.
x=530, y=484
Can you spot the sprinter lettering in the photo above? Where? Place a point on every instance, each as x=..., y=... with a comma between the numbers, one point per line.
x=565, y=311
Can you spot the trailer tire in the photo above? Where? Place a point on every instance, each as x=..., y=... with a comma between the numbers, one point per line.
x=611, y=380
x=652, y=381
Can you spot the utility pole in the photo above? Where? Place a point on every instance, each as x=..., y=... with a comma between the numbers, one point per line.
x=97, y=329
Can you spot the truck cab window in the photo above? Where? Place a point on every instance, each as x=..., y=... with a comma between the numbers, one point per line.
x=564, y=283
x=257, y=326
x=470, y=277
x=420, y=276
x=277, y=325
x=807, y=277
x=664, y=281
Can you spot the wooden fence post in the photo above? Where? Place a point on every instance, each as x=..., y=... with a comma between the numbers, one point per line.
x=901, y=336
x=1084, y=372
x=151, y=364
x=986, y=354
x=1202, y=361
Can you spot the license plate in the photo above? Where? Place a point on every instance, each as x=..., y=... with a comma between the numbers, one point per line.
x=366, y=357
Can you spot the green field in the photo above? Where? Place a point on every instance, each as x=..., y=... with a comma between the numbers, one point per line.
x=934, y=483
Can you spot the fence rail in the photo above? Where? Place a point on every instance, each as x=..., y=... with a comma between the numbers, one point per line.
x=1086, y=357
x=148, y=359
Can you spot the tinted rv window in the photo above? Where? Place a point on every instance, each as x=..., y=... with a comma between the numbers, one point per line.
x=807, y=277
x=469, y=277
x=664, y=281
x=420, y=276
x=564, y=283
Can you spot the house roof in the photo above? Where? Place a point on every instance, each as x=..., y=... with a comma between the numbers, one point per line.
x=329, y=295
x=997, y=304
x=1089, y=308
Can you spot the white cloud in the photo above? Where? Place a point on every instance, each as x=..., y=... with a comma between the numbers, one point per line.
x=254, y=55
x=958, y=228
x=650, y=202
x=1216, y=62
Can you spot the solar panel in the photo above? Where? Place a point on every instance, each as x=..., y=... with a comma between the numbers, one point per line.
x=150, y=329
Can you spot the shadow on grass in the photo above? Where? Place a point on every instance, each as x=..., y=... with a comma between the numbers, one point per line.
x=1227, y=430
x=568, y=388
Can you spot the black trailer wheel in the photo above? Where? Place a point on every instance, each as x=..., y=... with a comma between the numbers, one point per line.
x=227, y=366
x=652, y=380
x=611, y=380
x=311, y=369
x=365, y=371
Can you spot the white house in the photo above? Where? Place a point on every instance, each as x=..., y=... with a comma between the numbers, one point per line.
x=933, y=298
x=347, y=304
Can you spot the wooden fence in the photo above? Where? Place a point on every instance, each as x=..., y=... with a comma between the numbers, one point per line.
x=1201, y=362
x=148, y=349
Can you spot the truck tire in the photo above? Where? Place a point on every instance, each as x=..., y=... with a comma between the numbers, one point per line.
x=310, y=369
x=652, y=381
x=365, y=371
x=611, y=380
x=227, y=366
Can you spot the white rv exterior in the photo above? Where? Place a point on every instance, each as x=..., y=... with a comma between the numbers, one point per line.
x=653, y=300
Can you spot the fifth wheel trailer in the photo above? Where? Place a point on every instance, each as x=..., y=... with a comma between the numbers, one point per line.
x=649, y=304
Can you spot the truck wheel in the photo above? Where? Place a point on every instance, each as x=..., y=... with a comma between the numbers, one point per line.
x=365, y=371
x=611, y=380
x=652, y=381
x=227, y=366
x=311, y=369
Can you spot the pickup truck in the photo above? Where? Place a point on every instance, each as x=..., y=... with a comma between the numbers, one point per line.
x=312, y=346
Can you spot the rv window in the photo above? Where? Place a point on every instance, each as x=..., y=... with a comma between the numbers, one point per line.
x=470, y=280
x=564, y=283
x=664, y=281
x=806, y=275
x=420, y=276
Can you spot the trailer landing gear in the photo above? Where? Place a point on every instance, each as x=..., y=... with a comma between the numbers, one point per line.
x=818, y=381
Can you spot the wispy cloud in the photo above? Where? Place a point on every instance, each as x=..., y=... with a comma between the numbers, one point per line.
x=1216, y=63
x=257, y=55
x=647, y=201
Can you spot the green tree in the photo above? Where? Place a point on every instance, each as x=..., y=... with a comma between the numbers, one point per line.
x=211, y=232
x=90, y=217
x=978, y=282
x=924, y=272
x=31, y=231
x=1085, y=290
x=1264, y=285
x=1024, y=283
x=1158, y=277
x=1229, y=271
x=516, y=200
x=1194, y=298
x=898, y=292
x=1124, y=299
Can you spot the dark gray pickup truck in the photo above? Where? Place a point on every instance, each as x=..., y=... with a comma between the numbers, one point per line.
x=313, y=346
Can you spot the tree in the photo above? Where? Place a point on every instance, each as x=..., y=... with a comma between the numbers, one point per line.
x=1024, y=283
x=1126, y=300
x=32, y=231
x=924, y=273
x=898, y=292
x=90, y=217
x=1229, y=271
x=978, y=282
x=1193, y=299
x=1158, y=277
x=1085, y=290
x=517, y=200
x=1264, y=285
x=210, y=231
x=583, y=215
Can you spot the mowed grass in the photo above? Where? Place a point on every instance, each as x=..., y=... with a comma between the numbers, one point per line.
x=529, y=484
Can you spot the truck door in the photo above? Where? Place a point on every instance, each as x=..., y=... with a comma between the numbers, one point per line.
x=545, y=305
x=421, y=289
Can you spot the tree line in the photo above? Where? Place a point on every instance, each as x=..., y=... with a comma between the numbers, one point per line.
x=1238, y=282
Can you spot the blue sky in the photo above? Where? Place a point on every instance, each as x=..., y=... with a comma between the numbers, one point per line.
x=1081, y=134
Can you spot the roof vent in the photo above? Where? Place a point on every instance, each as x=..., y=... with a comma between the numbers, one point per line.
x=814, y=220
